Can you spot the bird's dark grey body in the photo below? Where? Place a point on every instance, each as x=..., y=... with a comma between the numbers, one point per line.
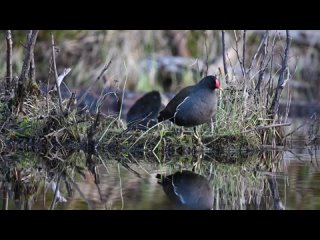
x=193, y=105
x=190, y=114
x=143, y=114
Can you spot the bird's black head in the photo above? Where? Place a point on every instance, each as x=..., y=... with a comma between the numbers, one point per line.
x=210, y=82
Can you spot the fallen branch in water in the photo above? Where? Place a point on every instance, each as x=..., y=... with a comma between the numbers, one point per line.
x=266, y=127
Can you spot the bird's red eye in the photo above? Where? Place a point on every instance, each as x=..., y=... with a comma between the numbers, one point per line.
x=217, y=83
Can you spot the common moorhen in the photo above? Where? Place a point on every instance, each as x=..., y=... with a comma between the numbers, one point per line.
x=143, y=113
x=187, y=190
x=193, y=105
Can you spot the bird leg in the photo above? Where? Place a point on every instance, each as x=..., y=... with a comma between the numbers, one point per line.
x=182, y=132
x=197, y=136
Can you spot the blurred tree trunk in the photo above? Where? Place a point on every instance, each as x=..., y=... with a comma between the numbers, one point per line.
x=23, y=79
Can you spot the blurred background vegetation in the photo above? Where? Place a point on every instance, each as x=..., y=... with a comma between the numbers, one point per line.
x=158, y=59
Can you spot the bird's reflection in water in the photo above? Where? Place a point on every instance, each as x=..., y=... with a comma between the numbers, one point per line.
x=187, y=190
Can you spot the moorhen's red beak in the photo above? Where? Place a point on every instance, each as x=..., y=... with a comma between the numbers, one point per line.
x=218, y=85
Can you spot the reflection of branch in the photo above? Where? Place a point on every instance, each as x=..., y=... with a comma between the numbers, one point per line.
x=81, y=194
x=294, y=154
x=275, y=194
x=5, y=196
x=122, y=203
x=56, y=187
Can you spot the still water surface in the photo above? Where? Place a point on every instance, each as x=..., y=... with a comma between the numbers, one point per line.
x=266, y=180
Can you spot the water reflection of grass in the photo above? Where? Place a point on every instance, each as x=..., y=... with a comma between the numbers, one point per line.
x=127, y=182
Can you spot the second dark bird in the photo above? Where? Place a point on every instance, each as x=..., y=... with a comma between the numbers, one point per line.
x=143, y=114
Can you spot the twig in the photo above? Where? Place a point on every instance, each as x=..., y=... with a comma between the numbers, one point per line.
x=269, y=84
x=305, y=122
x=98, y=78
x=281, y=82
x=266, y=127
x=123, y=90
x=224, y=56
x=207, y=55
x=9, y=60
x=61, y=78
x=237, y=52
x=144, y=134
x=105, y=131
x=244, y=49
x=56, y=72
x=91, y=132
x=275, y=193
x=265, y=35
x=262, y=68
x=71, y=100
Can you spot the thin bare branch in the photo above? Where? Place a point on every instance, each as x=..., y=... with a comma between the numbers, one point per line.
x=207, y=54
x=281, y=81
x=264, y=37
x=98, y=78
x=244, y=50
x=306, y=122
x=262, y=67
x=270, y=81
x=238, y=55
x=9, y=60
x=224, y=56
x=61, y=77
x=71, y=100
x=53, y=48
x=91, y=132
